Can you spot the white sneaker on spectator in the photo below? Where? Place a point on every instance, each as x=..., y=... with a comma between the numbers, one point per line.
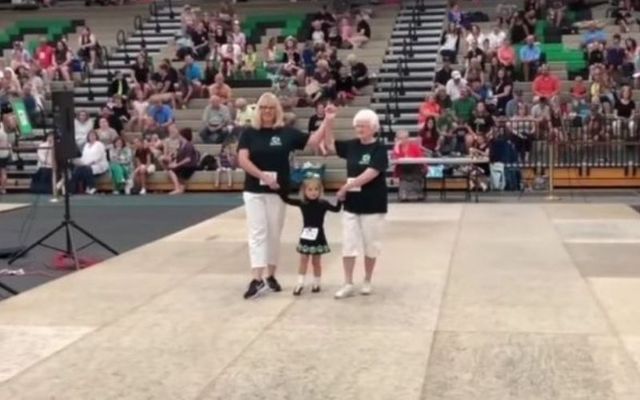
x=344, y=292
x=91, y=191
x=366, y=289
x=143, y=191
x=116, y=192
x=128, y=186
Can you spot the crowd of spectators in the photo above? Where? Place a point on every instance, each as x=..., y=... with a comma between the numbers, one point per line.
x=496, y=95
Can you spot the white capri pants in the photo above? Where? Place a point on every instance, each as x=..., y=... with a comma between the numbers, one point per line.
x=265, y=218
x=361, y=231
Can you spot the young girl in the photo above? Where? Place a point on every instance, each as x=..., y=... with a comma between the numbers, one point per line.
x=227, y=163
x=121, y=165
x=250, y=61
x=313, y=242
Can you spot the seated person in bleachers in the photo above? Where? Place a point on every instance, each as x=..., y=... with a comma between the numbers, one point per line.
x=91, y=164
x=5, y=158
x=43, y=58
x=231, y=59
x=140, y=75
x=475, y=72
x=523, y=126
x=244, y=113
x=475, y=53
x=106, y=134
x=221, y=89
x=455, y=85
x=615, y=56
x=83, y=124
x=345, y=87
x=118, y=86
x=541, y=113
x=428, y=109
x=237, y=36
x=249, y=61
x=496, y=38
x=227, y=163
x=359, y=72
x=139, y=108
x=530, y=58
x=200, y=39
x=450, y=42
x=20, y=56
x=120, y=110
x=578, y=90
x=270, y=57
x=442, y=98
x=286, y=92
x=546, y=84
x=455, y=15
x=10, y=84
x=121, y=158
x=160, y=117
x=170, y=81
x=464, y=106
x=483, y=121
x=593, y=34
x=363, y=29
x=317, y=34
x=519, y=30
x=220, y=35
x=452, y=142
x=41, y=181
x=143, y=164
x=187, y=19
x=192, y=74
x=444, y=74
x=316, y=119
x=88, y=47
x=502, y=91
x=474, y=36
x=170, y=147
x=325, y=80
x=216, y=119
x=511, y=108
x=479, y=91
x=429, y=136
x=291, y=58
x=107, y=113
x=62, y=58
x=506, y=55
x=595, y=54
x=185, y=164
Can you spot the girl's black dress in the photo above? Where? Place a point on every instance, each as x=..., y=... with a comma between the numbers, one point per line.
x=312, y=238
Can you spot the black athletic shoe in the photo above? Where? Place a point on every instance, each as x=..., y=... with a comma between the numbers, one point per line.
x=315, y=289
x=256, y=288
x=273, y=284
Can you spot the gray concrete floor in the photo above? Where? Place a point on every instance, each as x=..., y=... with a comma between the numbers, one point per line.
x=472, y=301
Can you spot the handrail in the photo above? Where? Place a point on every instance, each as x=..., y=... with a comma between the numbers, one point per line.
x=138, y=25
x=121, y=40
x=171, y=13
x=106, y=54
x=87, y=74
x=153, y=10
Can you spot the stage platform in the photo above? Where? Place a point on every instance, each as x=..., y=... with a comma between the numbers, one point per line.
x=6, y=207
x=471, y=301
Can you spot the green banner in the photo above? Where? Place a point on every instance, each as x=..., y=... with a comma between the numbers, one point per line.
x=20, y=111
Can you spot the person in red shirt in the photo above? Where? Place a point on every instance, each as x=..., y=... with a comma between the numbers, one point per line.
x=410, y=176
x=44, y=57
x=405, y=147
x=579, y=89
x=429, y=108
x=546, y=85
x=506, y=55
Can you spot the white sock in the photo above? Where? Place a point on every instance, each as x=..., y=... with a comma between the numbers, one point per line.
x=316, y=281
x=300, y=279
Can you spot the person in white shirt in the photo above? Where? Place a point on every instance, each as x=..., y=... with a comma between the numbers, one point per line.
x=42, y=180
x=83, y=124
x=92, y=163
x=496, y=37
x=455, y=85
x=474, y=36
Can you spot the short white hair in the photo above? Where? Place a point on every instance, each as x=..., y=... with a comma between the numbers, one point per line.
x=367, y=116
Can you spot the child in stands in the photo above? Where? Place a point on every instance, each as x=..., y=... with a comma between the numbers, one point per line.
x=313, y=242
x=227, y=163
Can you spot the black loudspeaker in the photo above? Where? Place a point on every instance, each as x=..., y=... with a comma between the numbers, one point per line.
x=63, y=110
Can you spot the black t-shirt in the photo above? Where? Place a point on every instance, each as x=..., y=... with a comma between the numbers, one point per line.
x=372, y=197
x=364, y=26
x=518, y=34
x=344, y=84
x=199, y=38
x=141, y=72
x=172, y=78
x=443, y=76
x=484, y=124
x=269, y=150
x=625, y=110
x=314, y=123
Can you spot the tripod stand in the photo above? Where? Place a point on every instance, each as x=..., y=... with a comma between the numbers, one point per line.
x=68, y=225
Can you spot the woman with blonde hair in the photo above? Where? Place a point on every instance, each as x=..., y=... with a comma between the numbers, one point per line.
x=263, y=153
x=364, y=195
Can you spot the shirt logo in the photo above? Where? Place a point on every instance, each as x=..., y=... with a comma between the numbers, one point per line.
x=365, y=160
x=275, y=141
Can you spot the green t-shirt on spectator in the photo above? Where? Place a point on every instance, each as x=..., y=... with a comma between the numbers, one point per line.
x=463, y=108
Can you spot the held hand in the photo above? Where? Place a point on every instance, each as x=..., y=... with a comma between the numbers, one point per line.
x=342, y=193
x=270, y=181
x=330, y=112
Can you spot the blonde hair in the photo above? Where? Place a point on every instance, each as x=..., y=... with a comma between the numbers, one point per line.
x=268, y=99
x=310, y=181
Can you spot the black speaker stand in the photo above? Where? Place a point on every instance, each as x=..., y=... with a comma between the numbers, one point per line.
x=67, y=225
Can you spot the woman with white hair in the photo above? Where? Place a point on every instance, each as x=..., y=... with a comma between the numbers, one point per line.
x=263, y=153
x=364, y=196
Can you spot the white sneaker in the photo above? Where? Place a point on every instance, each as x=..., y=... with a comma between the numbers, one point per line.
x=344, y=292
x=128, y=186
x=116, y=192
x=91, y=191
x=366, y=290
x=143, y=191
